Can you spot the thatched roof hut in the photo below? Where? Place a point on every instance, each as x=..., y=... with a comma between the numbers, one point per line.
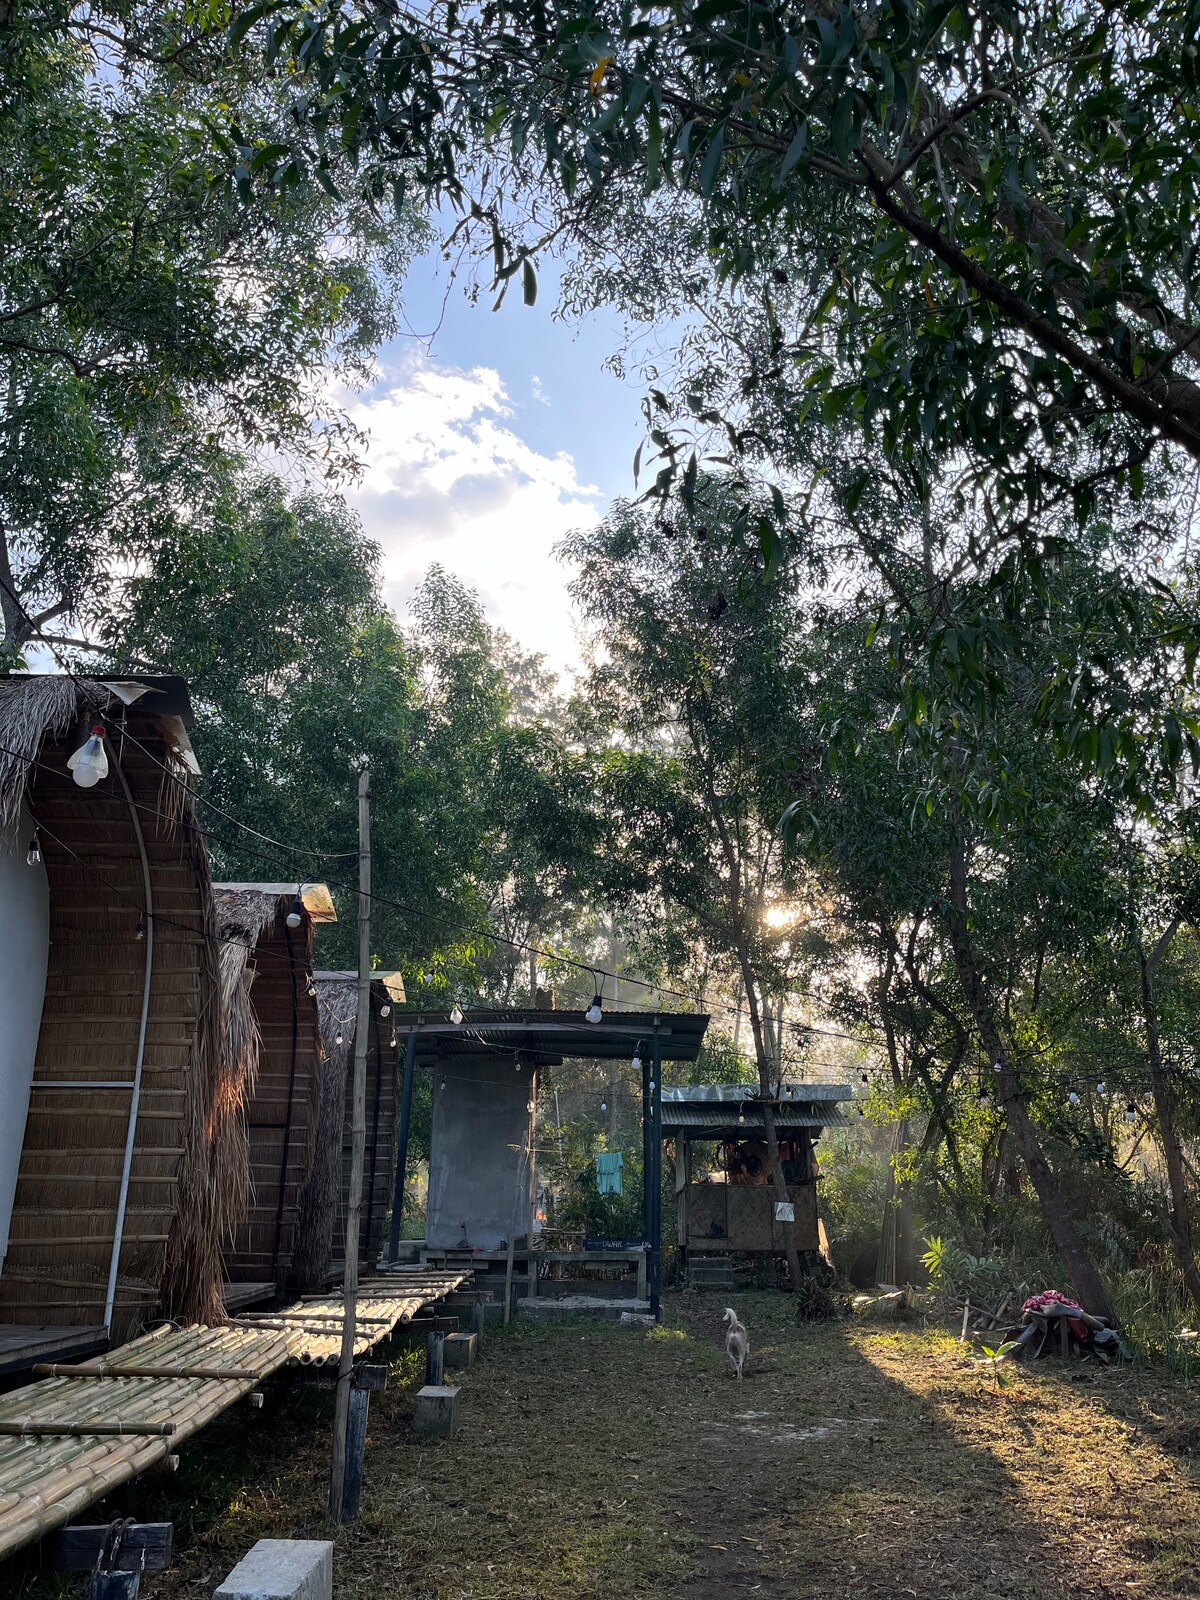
x=275, y=1057
x=321, y=1249
x=110, y=1054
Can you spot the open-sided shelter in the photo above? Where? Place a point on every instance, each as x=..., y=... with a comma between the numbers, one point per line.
x=275, y=1057
x=110, y=1055
x=321, y=1246
x=737, y=1214
x=485, y=1068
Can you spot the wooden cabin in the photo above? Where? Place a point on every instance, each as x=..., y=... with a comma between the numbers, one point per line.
x=274, y=1048
x=321, y=1251
x=733, y=1209
x=110, y=1052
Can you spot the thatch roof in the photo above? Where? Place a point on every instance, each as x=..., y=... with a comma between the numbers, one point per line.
x=64, y=1212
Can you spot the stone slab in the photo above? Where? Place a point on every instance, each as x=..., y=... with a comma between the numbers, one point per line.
x=282, y=1569
x=435, y=1413
x=461, y=1349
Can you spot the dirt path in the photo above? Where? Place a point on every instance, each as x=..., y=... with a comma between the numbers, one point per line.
x=595, y=1463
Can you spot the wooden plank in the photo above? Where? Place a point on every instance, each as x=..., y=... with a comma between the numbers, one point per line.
x=145, y=1547
x=21, y=1347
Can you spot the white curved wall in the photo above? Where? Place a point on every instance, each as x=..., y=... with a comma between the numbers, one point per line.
x=24, y=947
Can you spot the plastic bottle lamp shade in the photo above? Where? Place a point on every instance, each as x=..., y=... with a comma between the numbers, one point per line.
x=90, y=762
x=595, y=1012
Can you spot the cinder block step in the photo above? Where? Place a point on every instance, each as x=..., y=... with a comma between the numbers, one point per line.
x=461, y=1349
x=436, y=1411
x=282, y=1569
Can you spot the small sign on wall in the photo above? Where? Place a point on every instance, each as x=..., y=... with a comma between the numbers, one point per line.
x=785, y=1211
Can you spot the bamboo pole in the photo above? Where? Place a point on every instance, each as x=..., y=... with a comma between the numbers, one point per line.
x=358, y=1142
x=30, y=1425
x=58, y=1369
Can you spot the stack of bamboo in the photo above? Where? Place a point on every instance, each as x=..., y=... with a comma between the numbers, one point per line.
x=74, y=1437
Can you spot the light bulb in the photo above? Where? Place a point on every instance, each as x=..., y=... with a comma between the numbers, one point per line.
x=1100, y=1089
x=339, y=1039
x=997, y=1067
x=456, y=1015
x=650, y=1086
x=984, y=1101
x=385, y=1011
x=1073, y=1098
x=33, y=857
x=443, y=1083
x=311, y=985
x=393, y=1041
x=529, y=1107
x=741, y=1116
x=1131, y=1112
x=296, y=915
x=636, y=1063
x=604, y=1105
x=140, y=931
x=90, y=762
x=594, y=1012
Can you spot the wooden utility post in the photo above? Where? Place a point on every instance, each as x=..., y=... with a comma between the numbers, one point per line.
x=358, y=1145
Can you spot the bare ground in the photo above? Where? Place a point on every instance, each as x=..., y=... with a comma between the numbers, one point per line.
x=594, y=1461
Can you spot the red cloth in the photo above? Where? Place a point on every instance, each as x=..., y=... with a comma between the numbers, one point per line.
x=1051, y=1297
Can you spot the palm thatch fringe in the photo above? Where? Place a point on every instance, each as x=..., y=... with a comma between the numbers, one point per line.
x=337, y=1002
x=30, y=709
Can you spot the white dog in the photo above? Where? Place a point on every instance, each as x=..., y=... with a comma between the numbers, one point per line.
x=737, y=1340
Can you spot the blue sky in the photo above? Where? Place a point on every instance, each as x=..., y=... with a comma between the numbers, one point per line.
x=489, y=440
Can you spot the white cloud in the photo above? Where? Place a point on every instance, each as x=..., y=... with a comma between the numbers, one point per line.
x=449, y=478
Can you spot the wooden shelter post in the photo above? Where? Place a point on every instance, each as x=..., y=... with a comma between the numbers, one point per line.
x=655, y=1273
x=410, y=1061
x=647, y=1161
x=358, y=1141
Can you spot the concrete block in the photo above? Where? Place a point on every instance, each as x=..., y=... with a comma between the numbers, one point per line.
x=461, y=1349
x=282, y=1569
x=436, y=1410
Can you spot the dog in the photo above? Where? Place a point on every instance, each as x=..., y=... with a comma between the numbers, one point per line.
x=737, y=1341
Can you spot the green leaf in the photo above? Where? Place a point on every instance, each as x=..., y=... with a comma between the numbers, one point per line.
x=528, y=282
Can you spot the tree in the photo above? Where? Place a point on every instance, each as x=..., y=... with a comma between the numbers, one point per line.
x=985, y=204
x=693, y=678
x=153, y=321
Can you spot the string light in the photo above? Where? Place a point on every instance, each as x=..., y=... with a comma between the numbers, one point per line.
x=636, y=1063
x=1072, y=1098
x=385, y=1011
x=296, y=915
x=456, y=1015
x=1131, y=1112
x=1100, y=1089
x=339, y=1039
x=311, y=986
x=595, y=1012
x=90, y=762
x=33, y=856
x=984, y=1100
x=140, y=931
x=604, y=1105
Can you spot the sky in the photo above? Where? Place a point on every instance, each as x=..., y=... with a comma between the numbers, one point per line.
x=491, y=435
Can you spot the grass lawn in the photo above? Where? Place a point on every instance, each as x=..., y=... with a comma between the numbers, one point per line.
x=596, y=1461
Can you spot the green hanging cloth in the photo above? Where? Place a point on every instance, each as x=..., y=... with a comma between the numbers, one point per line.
x=608, y=1171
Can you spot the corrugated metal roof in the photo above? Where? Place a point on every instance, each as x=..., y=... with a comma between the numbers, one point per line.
x=725, y=1120
x=548, y=1037
x=736, y=1094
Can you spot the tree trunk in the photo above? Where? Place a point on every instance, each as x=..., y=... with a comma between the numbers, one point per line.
x=1086, y=1281
x=1179, y=1222
x=762, y=1056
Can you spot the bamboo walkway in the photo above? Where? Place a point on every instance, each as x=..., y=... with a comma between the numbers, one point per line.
x=70, y=1439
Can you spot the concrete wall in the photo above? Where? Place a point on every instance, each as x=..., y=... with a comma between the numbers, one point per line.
x=480, y=1124
x=25, y=917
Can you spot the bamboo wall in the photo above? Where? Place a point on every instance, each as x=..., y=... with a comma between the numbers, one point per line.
x=64, y=1215
x=282, y=1109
